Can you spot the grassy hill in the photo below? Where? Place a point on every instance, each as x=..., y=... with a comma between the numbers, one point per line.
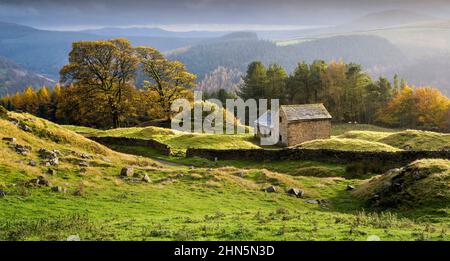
x=85, y=196
x=176, y=140
x=421, y=183
x=347, y=144
x=406, y=139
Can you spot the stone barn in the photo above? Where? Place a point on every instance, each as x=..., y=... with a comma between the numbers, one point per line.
x=298, y=123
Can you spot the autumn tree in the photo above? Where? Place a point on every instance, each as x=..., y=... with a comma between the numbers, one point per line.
x=102, y=72
x=422, y=107
x=166, y=80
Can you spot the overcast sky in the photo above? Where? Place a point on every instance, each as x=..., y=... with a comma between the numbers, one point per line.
x=72, y=14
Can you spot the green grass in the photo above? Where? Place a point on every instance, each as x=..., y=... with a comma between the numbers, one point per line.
x=423, y=183
x=418, y=140
x=212, y=201
x=175, y=139
x=346, y=144
x=406, y=139
x=339, y=129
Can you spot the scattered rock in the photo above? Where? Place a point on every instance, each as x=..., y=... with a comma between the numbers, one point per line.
x=59, y=189
x=270, y=189
x=313, y=201
x=73, y=238
x=83, y=164
x=24, y=127
x=240, y=174
x=407, y=147
x=9, y=139
x=179, y=175
x=2, y=193
x=137, y=175
x=51, y=172
x=50, y=156
x=350, y=187
x=41, y=181
x=47, y=154
x=78, y=192
x=53, y=162
x=146, y=178
x=32, y=163
x=22, y=149
x=296, y=192
x=127, y=172
x=105, y=159
x=86, y=156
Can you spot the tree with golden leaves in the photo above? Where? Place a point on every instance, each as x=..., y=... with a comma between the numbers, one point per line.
x=166, y=80
x=102, y=72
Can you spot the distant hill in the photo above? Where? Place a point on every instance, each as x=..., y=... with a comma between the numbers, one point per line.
x=151, y=32
x=14, y=78
x=46, y=52
x=388, y=18
x=370, y=51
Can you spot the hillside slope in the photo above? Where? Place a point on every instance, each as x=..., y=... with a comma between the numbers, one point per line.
x=239, y=52
x=421, y=183
x=14, y=78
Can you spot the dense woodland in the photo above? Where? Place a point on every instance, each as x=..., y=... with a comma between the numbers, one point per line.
x=98, y=88
x=350, y=94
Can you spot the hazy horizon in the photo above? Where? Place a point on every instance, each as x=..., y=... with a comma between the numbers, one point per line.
x=203, y=15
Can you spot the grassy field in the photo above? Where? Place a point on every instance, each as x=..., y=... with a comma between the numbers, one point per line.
x=194, y=199
x=347, y=144
x=176, y=140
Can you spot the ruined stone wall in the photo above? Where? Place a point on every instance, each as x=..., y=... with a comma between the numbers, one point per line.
x=161, y=147
x=333, y=156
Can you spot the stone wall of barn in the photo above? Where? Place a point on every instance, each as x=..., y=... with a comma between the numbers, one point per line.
x=283, y=129
x=299, y=132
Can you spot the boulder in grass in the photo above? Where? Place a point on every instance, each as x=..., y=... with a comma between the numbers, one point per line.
x=51, y=172
x=32, y=163
x=296, y=192
x=270, y=189
x=83, y=163
x=313, y=201
x=22, y=149
x=58, y=189
x=127, y=172
x=40, y=181
x=9, y=139
x=25, y=127
x=146, y=179
x=350, y=187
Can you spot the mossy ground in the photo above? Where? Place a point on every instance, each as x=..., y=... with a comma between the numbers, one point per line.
x=210, y=201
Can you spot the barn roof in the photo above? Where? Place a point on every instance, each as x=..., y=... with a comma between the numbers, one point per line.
x=304, y=112
x=301, y=112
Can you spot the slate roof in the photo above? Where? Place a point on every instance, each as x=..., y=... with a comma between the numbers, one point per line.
x=305, y=112
x=301, y=112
